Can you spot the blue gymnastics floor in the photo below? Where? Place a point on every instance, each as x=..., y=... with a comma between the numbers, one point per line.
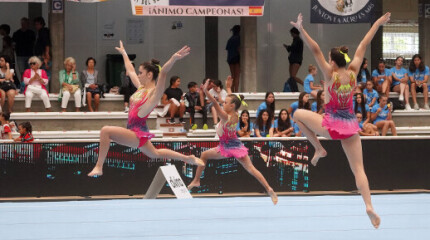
x=404, y=216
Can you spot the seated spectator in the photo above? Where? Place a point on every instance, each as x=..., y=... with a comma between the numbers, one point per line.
x=263, y=125
x=303, y=103
x=127, y=88
x=381, y=78
x=193, y=105
x=309, y=85
x=245, y=127
x=283, y=126
x=220, y=95
x=91, y=84
x=419, y=76
x=25, y=133
x=361, y=107
x=363, y=76
x=370, y=94
x=35, y=80
x=318, y=105
x=7, y=85
x=399, y=82
x=268, y=104
x=366, y=129
x=381, y=117
x=173, y=96
x=6, y=131
x=70, y=84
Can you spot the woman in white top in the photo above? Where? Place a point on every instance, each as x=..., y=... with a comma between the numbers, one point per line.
x=7, y=85
x=35, y=80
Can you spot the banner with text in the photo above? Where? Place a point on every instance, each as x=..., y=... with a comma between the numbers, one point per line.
x=220, y=8
x=341, y=11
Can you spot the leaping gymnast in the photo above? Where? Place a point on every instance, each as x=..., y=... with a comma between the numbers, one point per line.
x=229, y=145
x=339, y=121
x=142, y=102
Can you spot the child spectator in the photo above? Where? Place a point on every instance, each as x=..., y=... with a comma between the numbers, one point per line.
x=363, y=75
x=370, y=94
x=367, y=129
x=419, y=76
x=399, y=82
x=263, y=125
x=283, y=126
x=268, y=104
x=193, y=105
x=6, y=131
x=303, y=103
x=381, y=116
x=173, y=96
x=309, y=85
x=380, y=77
x=245, y=127
x=25, y=131
x=318, y=104
x=220, y=95
x=361, y=107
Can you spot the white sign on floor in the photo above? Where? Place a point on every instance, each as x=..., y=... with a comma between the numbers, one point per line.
x=171, y=175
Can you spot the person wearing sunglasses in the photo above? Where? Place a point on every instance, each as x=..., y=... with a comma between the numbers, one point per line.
x=35, y=80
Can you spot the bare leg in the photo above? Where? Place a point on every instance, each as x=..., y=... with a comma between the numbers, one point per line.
x=383, y=125
x=89, y=100
x=247, y=164
x=310, y=124
x=97, y=102
x=3, y=98
x=294, y=70
x=354, y=153
x=173, y=109
x=406, y=85
x=414, y=92
x=206, y=155
x=11, y=99
x=182, y=110
x=392, y=126
x=149, y=150
x=425, y=93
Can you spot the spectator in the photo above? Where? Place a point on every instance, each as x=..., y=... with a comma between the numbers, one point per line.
x=381, y=117
x=283, y=126
x=399, y=82
x=193, y=105
x=70, y=84
x=318, y=105
x=127, y=88
x=233, y=56
x=303, y=103
x=381, y=78
x=35, y=80
x=173, y=96
x=295, y=56
x=268, y=104
x=24, y=42
x=309, y=86
x=419, y=76
x=7, y=85
x=91, y=84
x=43, y=40
x=8, y=50
x=361, y=107
x=263, y=126
x=370, y=94
x=220, y=95
x=6, y=131
x=4, y=32
x=366, y=129
x=363, y=75
x=245, y=127
x=25, y=133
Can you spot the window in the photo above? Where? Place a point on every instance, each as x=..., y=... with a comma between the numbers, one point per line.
x=400, y=39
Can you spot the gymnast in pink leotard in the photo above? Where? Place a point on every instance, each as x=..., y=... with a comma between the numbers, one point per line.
x=339, y=120
x=142, y=103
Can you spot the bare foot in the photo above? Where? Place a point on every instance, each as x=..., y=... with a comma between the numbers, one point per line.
x=318, y=154
x=193, y=184
x=273, y=196
x=374, y=218
x=96, y=172
x=195, y=161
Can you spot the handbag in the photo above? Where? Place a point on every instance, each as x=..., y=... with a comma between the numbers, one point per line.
x=74, y=88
